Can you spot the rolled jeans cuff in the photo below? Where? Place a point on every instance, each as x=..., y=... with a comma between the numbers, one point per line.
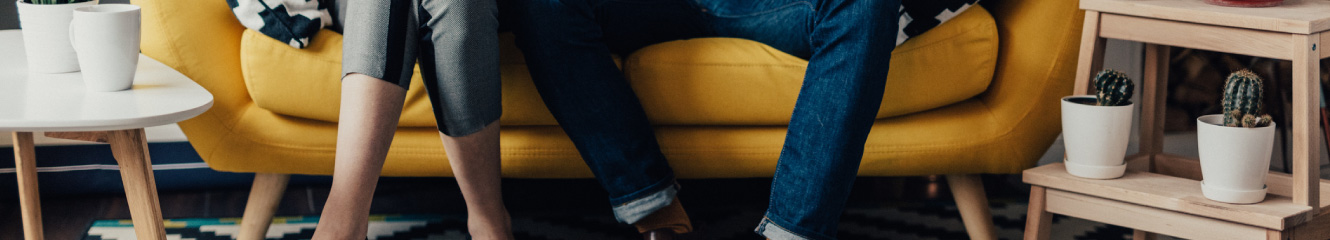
x=773, y=230
x=632, y=211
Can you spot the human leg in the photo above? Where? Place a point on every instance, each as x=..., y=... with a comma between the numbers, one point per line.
x=848, y=44
x=377, y=66
x=460, y=67
x=568, y=46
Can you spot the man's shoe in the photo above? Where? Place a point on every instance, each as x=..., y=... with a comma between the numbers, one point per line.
x=659, y=234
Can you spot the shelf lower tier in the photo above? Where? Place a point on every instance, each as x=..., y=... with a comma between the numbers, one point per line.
x=1178, y=194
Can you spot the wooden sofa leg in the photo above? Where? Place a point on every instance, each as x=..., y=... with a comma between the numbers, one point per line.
x=968, y=190
x=263, y=199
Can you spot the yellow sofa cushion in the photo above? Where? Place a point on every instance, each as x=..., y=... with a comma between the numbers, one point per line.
x=705, y=81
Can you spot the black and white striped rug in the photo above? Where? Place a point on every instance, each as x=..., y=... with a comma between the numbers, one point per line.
x=928, y=220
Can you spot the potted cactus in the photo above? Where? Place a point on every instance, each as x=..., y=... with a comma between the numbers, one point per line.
x=1235, y=146
x=1096, y=128
x=45, y=25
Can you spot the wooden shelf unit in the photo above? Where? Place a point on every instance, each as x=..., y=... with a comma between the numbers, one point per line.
x=1161, y=193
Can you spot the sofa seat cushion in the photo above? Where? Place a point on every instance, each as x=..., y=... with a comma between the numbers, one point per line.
x=705, y=81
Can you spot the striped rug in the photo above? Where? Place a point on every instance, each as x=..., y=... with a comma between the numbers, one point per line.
x=931, y=220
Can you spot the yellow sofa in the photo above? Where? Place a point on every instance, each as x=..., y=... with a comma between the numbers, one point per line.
x=977, y=94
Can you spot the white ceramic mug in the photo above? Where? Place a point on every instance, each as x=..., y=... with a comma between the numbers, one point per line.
x=106, y=38
x=45, y=36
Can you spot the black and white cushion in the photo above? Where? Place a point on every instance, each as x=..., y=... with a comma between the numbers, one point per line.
x=291, y=21
x=918, y=17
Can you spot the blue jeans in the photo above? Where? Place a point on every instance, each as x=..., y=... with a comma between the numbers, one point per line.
x=568, y=46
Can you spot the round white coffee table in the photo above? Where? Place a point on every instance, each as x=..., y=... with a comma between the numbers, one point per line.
x=58, y=105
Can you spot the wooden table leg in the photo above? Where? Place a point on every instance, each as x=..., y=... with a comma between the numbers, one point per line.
x=130, y=148
x=30, y=204
x=1038, y=221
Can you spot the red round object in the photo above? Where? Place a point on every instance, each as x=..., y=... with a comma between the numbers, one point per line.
x=1246, y=3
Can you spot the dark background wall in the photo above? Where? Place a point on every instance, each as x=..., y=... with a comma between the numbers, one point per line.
x=9, y=13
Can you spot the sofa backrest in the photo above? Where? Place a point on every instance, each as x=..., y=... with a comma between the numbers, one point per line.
x=199, y=38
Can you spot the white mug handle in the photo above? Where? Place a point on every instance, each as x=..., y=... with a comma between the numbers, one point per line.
x=72, y=21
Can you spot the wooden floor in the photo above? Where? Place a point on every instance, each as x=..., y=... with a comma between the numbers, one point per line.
x=67, y=217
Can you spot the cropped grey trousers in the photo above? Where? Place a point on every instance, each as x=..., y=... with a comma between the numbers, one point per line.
x=455, y=42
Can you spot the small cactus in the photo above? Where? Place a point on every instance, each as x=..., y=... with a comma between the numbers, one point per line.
x=1248, y=121
x=1114, y=87
x=1242, y=101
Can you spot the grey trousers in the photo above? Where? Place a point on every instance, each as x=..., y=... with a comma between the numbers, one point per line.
x=455, y=42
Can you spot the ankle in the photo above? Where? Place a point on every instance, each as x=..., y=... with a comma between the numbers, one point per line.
x=489, y=220
x=340, y=229
x=490, y=227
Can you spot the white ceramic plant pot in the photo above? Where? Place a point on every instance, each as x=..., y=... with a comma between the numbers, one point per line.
x=1234, y=160
x=1095, y=137
x=46, y=36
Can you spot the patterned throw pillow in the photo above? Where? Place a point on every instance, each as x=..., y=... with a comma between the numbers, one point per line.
x=289, y=21
x=918, y=17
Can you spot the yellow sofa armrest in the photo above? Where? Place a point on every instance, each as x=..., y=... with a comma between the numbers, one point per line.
x=201, y=39
x=1040, y=41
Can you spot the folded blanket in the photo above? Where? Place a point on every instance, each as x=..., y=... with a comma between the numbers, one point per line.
x=291, y=21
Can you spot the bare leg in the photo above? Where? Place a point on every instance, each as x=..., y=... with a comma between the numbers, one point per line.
x=475, y=162
x=369, y=114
